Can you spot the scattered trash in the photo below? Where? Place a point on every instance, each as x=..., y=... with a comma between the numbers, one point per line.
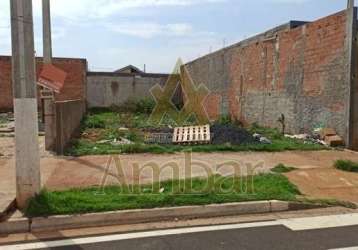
x=121, y=141
x=123, y=129
x=261, y=139
x=264, y=140
x=321, y=136
x=257, y=136
x=161, y=190
x=299, y=137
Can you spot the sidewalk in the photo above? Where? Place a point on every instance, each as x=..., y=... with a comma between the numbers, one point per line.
x=315, y=177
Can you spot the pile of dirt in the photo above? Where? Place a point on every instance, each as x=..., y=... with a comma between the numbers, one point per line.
x=231, y=134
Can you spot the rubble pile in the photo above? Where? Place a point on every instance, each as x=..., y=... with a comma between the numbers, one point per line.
x=322, y=136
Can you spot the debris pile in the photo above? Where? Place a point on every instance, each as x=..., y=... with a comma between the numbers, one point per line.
x=322, y=136
x=231, y=134
x=331, y=138
x=158, y=138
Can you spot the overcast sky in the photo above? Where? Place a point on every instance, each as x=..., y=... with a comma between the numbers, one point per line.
x=114, y=33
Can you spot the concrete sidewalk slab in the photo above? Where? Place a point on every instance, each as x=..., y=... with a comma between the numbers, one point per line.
x=326, y=183
x=72, y=172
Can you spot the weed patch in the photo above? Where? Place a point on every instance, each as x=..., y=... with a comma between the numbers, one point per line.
x=346, y=165
x=281, y=168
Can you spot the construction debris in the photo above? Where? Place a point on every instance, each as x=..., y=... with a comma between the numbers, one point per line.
x=324, y=132
x=322, y=136
x=158, y=138
x=334, y=141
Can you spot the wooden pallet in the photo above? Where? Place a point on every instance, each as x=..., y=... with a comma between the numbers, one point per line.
x=191, y=135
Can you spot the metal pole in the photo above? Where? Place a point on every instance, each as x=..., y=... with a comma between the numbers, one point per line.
x=28, y=181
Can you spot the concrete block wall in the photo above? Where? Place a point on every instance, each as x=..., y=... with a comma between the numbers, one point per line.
x=75, y=83
x=107, y=89
x=68, y=117
x=298, y=69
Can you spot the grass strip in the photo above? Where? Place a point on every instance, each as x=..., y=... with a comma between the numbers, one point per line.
x=170, y=193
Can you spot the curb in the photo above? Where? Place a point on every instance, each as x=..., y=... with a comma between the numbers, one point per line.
x=127, y=217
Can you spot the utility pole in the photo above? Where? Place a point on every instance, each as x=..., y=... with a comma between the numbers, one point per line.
x=352, y=73
x=350, y=4
x=48, y=103
x=28, y=180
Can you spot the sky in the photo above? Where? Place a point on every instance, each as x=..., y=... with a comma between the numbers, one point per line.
x=111, y=34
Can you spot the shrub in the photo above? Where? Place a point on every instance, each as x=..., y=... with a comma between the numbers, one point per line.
x=93, y=121
x=346, y=165
x=145, y=106
x=224, y=120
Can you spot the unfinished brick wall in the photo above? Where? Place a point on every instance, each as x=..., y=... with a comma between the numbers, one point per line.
x=6, y=99
x=74, y=88
x=298, y=69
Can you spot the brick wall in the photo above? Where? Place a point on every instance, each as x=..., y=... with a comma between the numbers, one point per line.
x=75, y=83
x=6, y=100
x=298, y=69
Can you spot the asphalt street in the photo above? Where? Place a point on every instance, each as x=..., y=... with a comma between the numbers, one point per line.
x=271, y=237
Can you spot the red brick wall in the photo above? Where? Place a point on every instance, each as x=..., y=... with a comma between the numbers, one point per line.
x=6, y=100
x=75, y=83
x=299, y=72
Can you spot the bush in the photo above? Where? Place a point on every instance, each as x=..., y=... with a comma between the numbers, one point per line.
x=145, y=106
x=93, y=121
x=346, y=165
x=224, y=120
x=142, y=106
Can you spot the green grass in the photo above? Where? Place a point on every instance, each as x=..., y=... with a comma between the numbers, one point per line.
x=346, y=165
x=76, y=201
x=107, y=121
x=86, y=147
x=281, y=168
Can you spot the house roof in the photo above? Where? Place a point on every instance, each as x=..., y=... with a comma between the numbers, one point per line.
x=130, y=68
